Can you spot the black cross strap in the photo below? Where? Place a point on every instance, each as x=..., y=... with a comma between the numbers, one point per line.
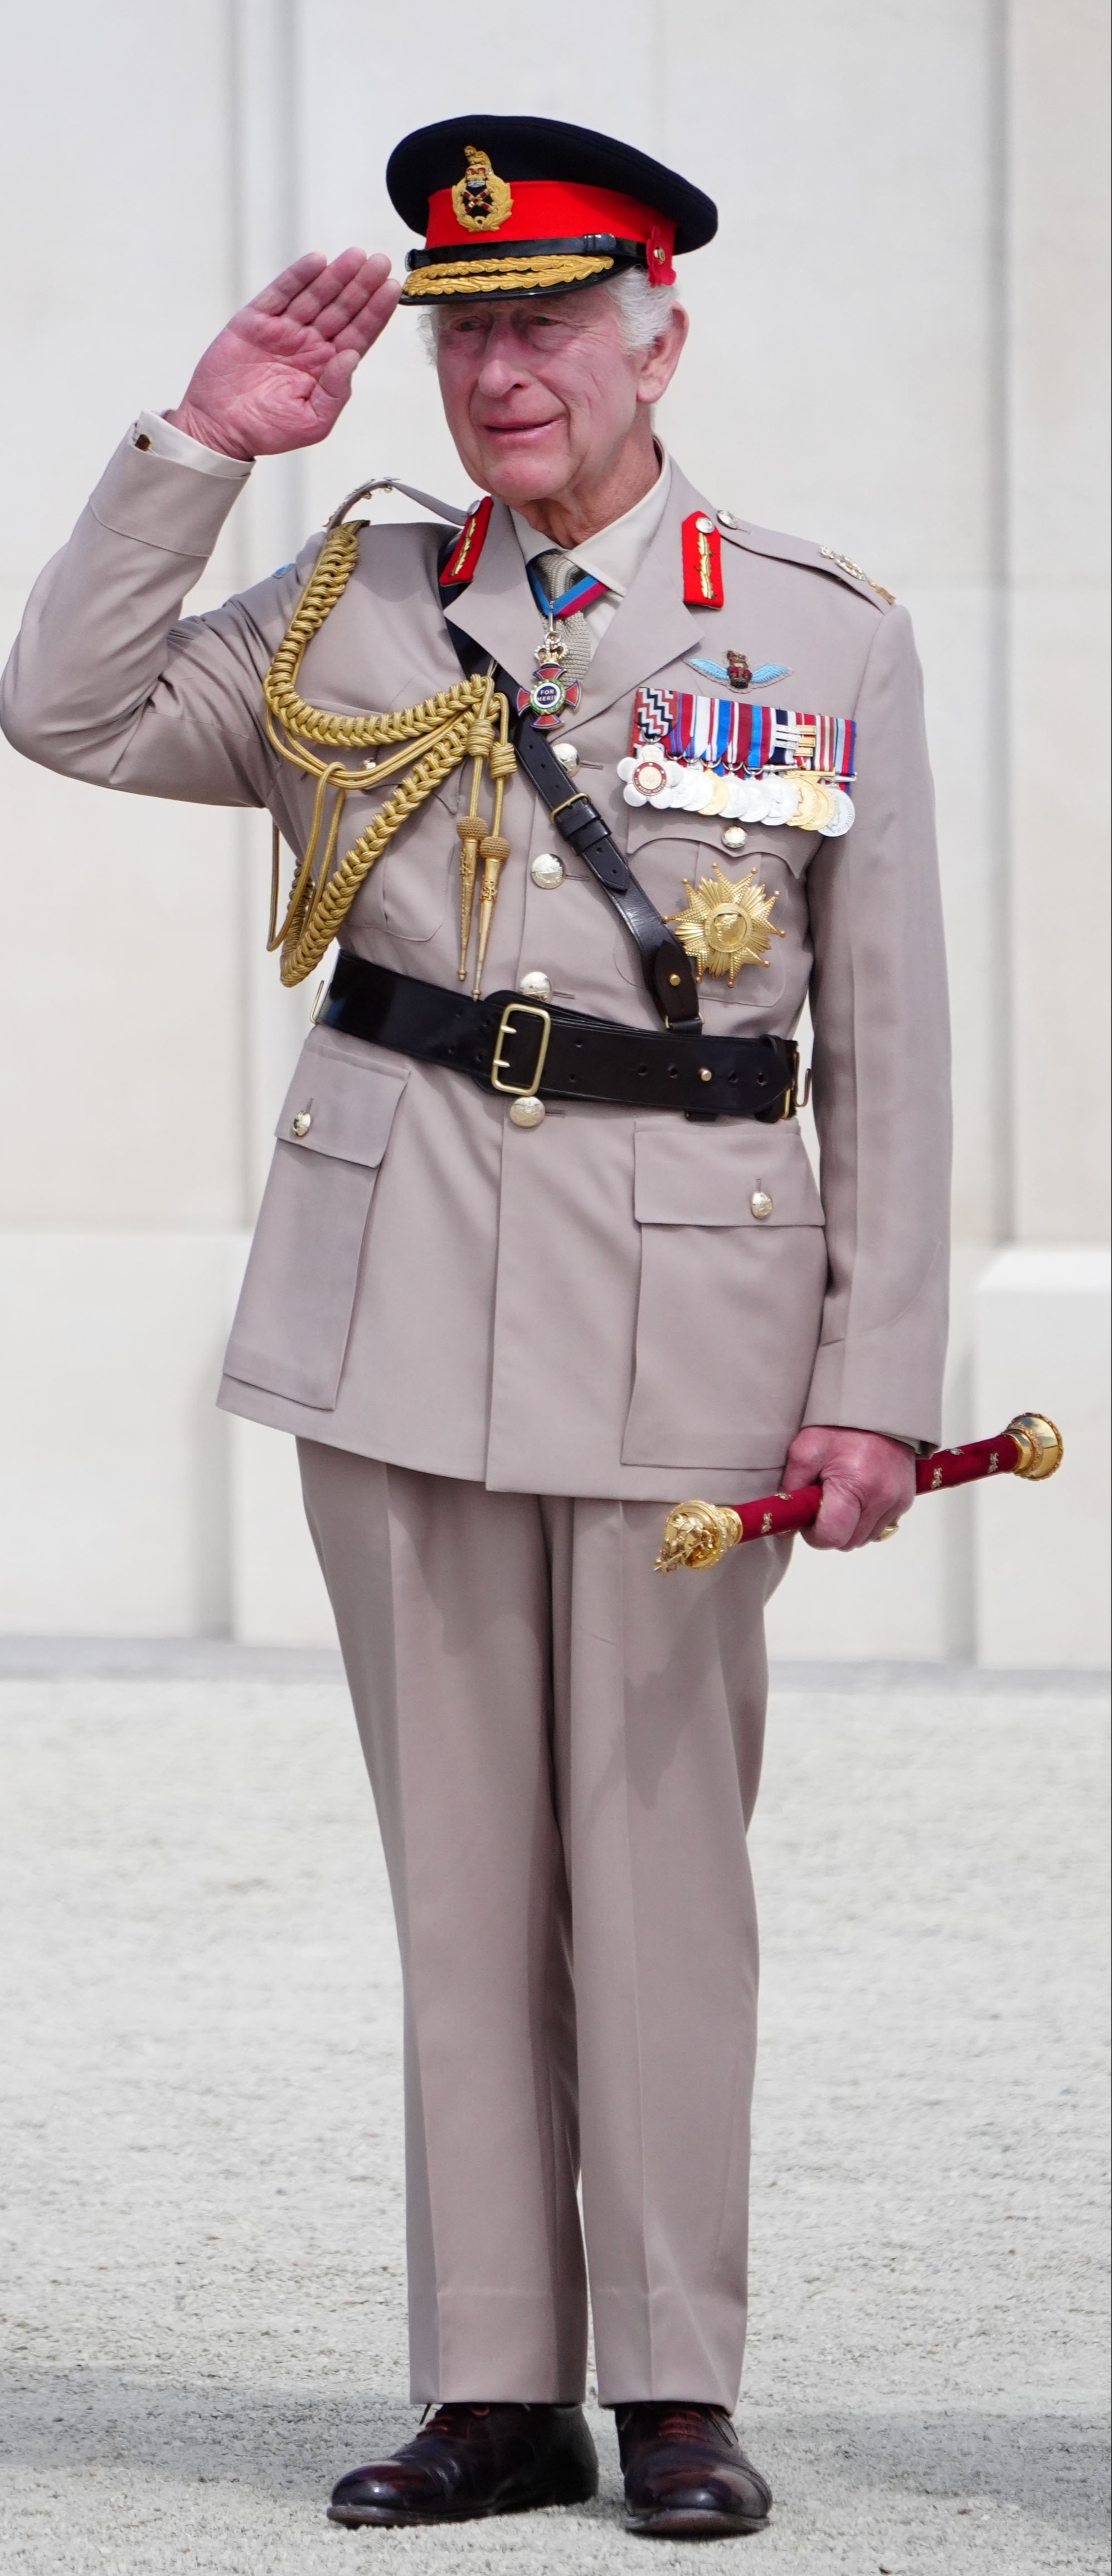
x=666, y=967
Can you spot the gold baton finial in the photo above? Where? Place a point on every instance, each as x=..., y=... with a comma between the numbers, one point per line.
x=1039, y=1443
x=697, y=1534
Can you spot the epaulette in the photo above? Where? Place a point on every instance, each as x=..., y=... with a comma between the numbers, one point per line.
x=802, y=550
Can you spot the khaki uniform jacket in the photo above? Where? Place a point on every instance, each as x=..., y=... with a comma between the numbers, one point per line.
x=589, y=1307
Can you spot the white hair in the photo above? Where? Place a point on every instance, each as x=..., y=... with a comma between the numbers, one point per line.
x=644, y=310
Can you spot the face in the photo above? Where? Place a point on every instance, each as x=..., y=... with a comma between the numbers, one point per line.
x=540, y=395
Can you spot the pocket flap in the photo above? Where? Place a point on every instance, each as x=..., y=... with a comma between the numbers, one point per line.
x=688, y=1175
x=337, y=1105
x=695, y=845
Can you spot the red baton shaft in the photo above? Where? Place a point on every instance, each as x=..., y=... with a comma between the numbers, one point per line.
x=698, y=1534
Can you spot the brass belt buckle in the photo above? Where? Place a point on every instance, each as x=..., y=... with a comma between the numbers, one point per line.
x=500, y=1063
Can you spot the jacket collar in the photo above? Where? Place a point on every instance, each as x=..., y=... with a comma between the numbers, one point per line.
x=650, y=628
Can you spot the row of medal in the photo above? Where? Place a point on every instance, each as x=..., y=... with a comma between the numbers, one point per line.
x=799, y=798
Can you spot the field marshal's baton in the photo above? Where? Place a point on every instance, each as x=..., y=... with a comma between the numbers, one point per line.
x=698, y=1534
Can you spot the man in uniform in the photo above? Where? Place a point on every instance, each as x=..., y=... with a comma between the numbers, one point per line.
x=595, y=788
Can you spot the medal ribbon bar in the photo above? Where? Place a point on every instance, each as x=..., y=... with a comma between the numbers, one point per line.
x=726, y=734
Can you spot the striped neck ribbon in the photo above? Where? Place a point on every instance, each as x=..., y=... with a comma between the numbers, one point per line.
x=583, y=594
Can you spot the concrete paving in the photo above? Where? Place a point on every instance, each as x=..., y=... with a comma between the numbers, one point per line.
x=203, y=2294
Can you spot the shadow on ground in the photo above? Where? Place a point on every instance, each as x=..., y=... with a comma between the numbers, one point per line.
x=292, y=2443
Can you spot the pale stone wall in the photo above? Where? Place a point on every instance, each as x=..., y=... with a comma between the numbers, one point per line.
x=898, y=349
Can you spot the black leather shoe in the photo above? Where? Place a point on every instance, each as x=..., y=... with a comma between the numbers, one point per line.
x=472, y=2460
x=686, y=2475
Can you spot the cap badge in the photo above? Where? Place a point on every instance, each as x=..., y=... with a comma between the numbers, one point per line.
x=726, y=926
x=481, y=199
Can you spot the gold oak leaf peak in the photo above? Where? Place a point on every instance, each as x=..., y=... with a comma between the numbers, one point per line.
x=725, y=926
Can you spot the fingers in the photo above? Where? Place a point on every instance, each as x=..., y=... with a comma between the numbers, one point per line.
x=883, y=1515
x=839, y=1518
x=867, y=1479
x=336, y=375
x=364, y=327
x=850, y=1516
x=338, y=291
x=806, y=1458
x=280, y=294
x=357, y=337
x=312, y=286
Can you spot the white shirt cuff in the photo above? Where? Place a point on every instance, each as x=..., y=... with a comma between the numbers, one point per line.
x=162, y=439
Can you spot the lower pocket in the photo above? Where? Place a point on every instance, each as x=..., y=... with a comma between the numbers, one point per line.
x=727, y=1328
x=733, y=1278
x=293, y=1320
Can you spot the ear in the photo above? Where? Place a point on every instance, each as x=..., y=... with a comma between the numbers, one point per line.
x=661, y=359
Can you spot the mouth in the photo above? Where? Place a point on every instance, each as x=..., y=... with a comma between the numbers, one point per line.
x=517, y=433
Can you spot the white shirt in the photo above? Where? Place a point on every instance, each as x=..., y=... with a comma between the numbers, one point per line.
x=612, y=555
x=164, y=440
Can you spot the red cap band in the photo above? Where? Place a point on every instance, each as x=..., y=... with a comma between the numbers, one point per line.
x=552, y=210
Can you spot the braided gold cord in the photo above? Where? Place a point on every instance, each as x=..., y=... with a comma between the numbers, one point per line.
x=326, y=584
x=493, y=849
x=323, y=908
x=437, y=735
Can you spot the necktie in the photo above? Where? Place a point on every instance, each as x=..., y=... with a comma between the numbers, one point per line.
x=558, y=573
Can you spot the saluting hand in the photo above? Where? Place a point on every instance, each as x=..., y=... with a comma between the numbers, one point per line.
x=279, y=373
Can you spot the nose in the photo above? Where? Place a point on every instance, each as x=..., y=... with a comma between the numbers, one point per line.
x=502, y=366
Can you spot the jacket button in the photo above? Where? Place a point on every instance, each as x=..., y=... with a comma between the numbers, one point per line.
x=568, y=757
x=733, y=836
x=760, y=1204
x=547, y=869
x=300, y=1125
x=535, y=987
x=527, y=1113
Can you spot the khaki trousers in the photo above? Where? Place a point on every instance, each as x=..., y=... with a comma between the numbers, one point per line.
x=564, y=1749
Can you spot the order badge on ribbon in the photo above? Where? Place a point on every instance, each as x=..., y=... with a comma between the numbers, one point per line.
x=550, y=693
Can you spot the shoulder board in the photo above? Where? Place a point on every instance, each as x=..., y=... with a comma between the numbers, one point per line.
x=459, y=566
x=802, y=550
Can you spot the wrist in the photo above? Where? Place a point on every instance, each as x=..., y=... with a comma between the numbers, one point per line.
x=198, y=425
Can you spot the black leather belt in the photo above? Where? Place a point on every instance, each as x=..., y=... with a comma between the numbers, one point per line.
x=529, y=1050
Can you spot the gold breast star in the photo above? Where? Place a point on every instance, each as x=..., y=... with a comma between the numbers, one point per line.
x=726, y=926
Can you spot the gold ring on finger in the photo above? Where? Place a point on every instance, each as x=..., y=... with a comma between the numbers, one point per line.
x=888, y=1530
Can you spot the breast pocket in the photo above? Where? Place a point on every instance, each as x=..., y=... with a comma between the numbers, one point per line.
x=733, y=1276
x=412, y=887
x=418, y=872
x=294, y=1315
x=681, y=862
